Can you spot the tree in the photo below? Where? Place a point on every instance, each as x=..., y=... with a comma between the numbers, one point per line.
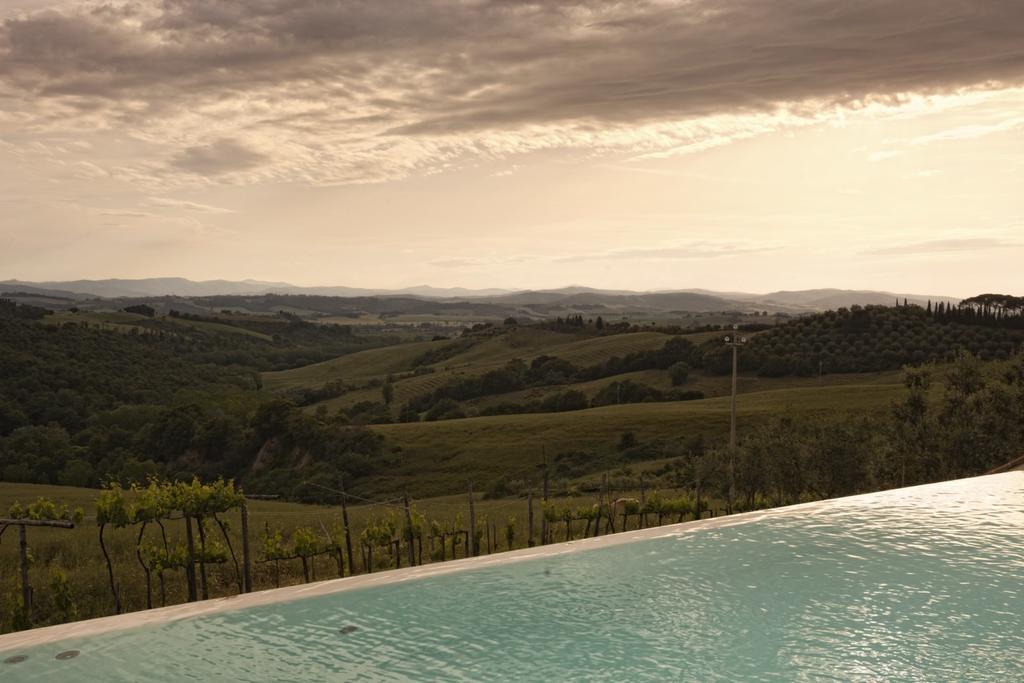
x=679, y=373
x=141, y=309
x=627, y=440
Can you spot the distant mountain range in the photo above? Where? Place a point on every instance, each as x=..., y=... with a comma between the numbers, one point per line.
x=696, y=300
x=177, y=286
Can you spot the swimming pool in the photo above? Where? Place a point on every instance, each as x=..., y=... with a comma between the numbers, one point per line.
x=922, y=583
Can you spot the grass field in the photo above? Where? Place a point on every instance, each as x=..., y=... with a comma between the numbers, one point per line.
x=362, y=365
x=434, y=457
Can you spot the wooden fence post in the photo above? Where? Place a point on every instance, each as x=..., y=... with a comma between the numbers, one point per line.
x=26, y=589
x=408, y=532
x=529, y=519
x=246, y=554
x=611, y=508
x=471, y=538
x=190, y=569
x=643, y=504
x=348, y=532
x=543, y=516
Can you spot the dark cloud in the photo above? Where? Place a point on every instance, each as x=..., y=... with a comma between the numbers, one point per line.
x=223, y=156
x=441, y=67
x=950, y=245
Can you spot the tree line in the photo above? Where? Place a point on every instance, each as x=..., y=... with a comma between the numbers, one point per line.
x=872, y=339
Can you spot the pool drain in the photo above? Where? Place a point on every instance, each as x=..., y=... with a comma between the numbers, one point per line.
x=345, y=630
x=16, y=659
x=67, y=654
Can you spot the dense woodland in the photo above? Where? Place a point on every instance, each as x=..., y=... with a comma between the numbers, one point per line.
x=79, y=404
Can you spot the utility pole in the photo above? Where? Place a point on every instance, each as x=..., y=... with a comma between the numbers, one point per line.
x=735, y=341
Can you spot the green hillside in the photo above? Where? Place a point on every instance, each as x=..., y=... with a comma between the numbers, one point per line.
x=449, y=453
x=420, y=368
x=362, y=365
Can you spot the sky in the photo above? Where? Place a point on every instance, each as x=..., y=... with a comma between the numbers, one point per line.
x=736, y=145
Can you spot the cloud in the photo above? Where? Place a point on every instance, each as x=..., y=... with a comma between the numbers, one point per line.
x=223, y=156
x=484, y=261
x=187, y=205
x=673, y=252
x=341, y=91
x=945, y=246
x=970, y=132
x=129, y=214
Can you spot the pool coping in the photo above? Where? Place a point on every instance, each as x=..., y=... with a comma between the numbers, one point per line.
x=164, y=615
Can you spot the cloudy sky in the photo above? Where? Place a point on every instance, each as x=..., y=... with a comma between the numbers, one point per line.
x=727, y=144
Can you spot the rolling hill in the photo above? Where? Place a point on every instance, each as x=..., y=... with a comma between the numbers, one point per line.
x=575, y=298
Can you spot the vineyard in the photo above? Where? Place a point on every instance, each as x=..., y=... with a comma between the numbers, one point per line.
x=164, y=543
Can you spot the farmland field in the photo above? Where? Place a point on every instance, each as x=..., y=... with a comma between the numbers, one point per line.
x=448, y=452
x=359, y=365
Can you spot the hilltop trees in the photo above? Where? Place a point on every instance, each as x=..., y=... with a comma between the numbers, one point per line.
x=875, y=338
x=141, y=309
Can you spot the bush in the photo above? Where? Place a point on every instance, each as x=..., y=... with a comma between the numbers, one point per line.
x=565, y=401
x=445, y=409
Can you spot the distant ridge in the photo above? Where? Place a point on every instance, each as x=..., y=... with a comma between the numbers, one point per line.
x=117, y=288
x=697, y=300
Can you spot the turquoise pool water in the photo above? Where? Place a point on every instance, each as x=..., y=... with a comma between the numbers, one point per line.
x=916, y=584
